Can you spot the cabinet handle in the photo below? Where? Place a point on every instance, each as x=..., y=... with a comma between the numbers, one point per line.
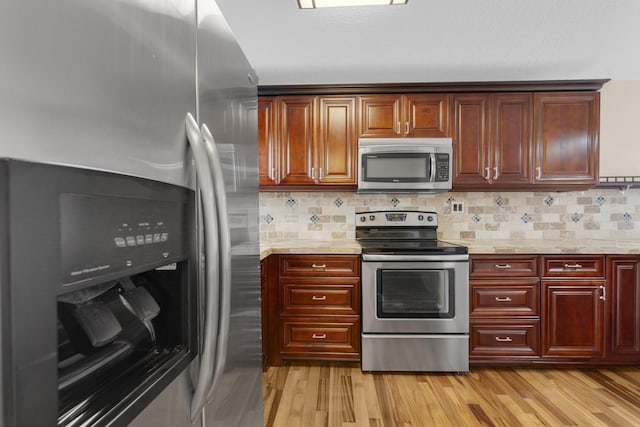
x=313, y=173
x=406, y=128
x=503, y=299
x=274, y=171
x=573, y=266
x=318, y=265
x=495, y=172
x=319, y=336
x=322, y=298
x=505, y=339
x=487, y=174
x=603, y=297
x=320, y=174
x=538, y=172
x=502, y=266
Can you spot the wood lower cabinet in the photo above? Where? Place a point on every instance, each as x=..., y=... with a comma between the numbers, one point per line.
x=312, y=305
x=623, y=275
x=573, y=306
x=505, y=308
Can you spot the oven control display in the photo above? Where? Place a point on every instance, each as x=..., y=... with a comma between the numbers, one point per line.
x=396, y=217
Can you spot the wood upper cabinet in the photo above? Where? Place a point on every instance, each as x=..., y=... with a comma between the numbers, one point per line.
x=412, y=115
x=623, y=274
x=296, y=143
x=307, y=141
x=566, y=127
x=337, y=142
x=492, y=140
x=267, y=141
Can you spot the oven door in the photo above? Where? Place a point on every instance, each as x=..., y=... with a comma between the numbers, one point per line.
x=415, y=294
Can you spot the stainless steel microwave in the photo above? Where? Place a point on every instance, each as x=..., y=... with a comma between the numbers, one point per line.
x=404, y=165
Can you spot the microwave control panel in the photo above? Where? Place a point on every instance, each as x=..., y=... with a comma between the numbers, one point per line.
x=442, y=167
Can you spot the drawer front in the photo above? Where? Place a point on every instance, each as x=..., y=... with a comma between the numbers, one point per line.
x=513, y=298
x=320, y=265
x=573, y=266
x=334, y=299
x=504, y=338
x=503, y=265
x=310, y=336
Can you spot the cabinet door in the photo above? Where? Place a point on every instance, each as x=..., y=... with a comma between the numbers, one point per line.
x=511, y=139
x=566, y=137
x=337, y=141
x=624, y=306
x=267, y=152
x=380, y=116
x=426, y=115
x=296, y=140
x=573, y=318
x=470, y=140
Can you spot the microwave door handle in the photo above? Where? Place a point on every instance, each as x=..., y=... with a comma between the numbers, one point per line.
x=225, y=254
x=432, y=160
x=210, y=220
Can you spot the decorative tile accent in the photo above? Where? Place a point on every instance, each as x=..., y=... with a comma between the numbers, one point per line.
x=395, y=202
x=576, y=217
x=338, y=202
x=291, y=202
x=315, y=218
x=601, y=200
x=268, y=219
x=549, y=200
x=526, y=218
x=627, y=217
x=500, y=201
x=476, y=218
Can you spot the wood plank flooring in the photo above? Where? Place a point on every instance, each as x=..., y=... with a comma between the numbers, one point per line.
x=334, y=395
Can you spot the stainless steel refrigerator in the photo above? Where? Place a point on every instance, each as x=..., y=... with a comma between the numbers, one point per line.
x=154, y=98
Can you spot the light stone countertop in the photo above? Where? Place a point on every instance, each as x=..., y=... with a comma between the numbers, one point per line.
x=590, y=246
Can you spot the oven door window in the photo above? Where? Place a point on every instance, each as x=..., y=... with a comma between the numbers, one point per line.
x=415, y=294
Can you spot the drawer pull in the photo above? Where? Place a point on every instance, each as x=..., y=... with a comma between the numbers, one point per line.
x=503, y=339
x=318, y=265
x=317, y=298
x=503, y=299
x=502, y=266
x=319, y=336
x=573, y=266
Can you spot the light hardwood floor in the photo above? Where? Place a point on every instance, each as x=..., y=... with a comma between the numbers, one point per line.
x=342, y=395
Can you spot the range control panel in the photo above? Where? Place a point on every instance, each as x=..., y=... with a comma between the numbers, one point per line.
x=396, y=219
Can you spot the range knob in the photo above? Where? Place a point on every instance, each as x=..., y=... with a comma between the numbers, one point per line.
x=420, y=217
x=363, y=218
x=372, y=217
x=430, y=218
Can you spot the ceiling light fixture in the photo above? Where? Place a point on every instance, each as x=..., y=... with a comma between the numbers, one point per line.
x=314, y=4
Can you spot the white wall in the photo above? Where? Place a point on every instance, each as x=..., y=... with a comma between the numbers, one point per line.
x=619, y=126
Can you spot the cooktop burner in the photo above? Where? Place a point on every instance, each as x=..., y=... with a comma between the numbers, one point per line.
x=402, y=233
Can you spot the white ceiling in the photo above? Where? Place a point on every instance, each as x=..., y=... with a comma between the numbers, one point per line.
x=439, y=41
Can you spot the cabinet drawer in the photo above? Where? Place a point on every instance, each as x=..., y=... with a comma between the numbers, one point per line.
x=503, y=265
x=513, y=298
x=320, y=265
x=324, y=299
x=504, y=338
x=573, y=266
x=310, y=336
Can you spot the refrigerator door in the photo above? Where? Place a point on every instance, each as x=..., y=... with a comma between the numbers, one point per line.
x=102, y=84
x=227, y=99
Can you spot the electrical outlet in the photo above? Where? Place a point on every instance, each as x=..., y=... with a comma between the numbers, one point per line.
x=457, y=207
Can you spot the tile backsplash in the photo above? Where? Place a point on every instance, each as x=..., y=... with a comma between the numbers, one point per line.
x=593, y=214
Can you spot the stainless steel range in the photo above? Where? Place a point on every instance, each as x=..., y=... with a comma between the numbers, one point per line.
x=415, y=294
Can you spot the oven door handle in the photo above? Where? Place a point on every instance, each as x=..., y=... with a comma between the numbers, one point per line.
x=421, y=258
